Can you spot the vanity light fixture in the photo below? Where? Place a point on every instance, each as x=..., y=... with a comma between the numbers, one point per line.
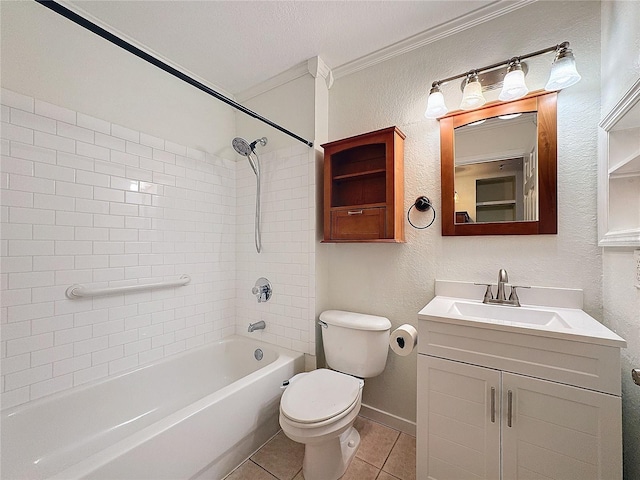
x=472, y=95
x=563, y=74
x=513, y=86
x=563, y=71
x=435, y=103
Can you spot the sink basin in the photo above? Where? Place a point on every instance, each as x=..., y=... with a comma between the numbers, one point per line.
x=513, y=315
x=545, y=312
x=557, y=322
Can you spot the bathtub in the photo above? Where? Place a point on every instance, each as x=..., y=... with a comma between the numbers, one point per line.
x=198, y=414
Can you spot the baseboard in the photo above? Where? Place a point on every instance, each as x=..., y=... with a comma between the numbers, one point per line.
x=388, y=419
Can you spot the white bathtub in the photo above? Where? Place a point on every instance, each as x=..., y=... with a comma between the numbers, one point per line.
x=198, y=414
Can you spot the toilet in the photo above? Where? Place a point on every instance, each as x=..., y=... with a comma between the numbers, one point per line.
x=318, y=408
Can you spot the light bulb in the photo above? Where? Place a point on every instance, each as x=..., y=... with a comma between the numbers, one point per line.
x=563, y=71
x=513, y=86
x=435, y=103
x=472, y=94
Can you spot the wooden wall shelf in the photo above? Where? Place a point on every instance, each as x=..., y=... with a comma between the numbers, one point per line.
x=364, y=188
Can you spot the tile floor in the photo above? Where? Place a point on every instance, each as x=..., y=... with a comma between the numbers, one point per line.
x=384, y=454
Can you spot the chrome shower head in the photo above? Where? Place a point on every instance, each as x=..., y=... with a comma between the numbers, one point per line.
x=245, y=148
x=241, y=146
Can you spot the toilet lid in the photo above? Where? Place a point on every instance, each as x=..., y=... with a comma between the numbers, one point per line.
x=319, y=395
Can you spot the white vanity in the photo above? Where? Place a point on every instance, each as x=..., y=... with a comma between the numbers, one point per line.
x=509, y=392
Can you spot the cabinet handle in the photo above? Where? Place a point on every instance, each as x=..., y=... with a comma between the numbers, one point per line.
x=354, y=212
x=509, y=408
x=493, y=405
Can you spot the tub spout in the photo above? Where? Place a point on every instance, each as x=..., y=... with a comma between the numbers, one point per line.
x=256, y=326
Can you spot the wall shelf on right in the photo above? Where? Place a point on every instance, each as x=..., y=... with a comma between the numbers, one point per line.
x=619, y=173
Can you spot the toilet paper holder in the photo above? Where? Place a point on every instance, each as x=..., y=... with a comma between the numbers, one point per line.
x=403, y=340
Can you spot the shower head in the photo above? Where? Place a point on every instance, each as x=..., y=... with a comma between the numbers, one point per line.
x=241, y=146
x=245, y=148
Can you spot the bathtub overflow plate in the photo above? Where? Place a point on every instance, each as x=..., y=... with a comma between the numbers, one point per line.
x=258, y=354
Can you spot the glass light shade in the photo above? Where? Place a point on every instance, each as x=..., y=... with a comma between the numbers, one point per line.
x=435, y=105
x=514, y=86
x=472, y=95
x=563, y=73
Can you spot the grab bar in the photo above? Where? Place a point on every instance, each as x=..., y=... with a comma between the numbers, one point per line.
x=79, y=291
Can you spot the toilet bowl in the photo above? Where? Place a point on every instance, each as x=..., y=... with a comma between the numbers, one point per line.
x=318, y=409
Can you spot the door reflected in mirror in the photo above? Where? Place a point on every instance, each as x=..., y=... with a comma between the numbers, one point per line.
x=496, y=174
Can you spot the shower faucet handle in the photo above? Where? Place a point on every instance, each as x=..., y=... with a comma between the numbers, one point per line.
x=262, y=290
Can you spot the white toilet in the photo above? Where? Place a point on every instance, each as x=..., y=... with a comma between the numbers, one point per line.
x=318, y=408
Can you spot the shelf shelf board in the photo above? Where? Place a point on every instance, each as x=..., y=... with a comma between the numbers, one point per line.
x=353, y=176
x=631, y=164
x=496, y=203
x=358, y=206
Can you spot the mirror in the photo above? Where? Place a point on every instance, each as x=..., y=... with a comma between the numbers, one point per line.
x=495, y=169
x=498, y=168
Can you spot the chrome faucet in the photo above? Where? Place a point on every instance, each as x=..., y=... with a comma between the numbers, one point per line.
x=502, y=279
x=256, y=326
x=501, y=298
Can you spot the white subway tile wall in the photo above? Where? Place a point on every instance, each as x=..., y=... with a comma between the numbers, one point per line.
x=288, y=248
x=87, y=201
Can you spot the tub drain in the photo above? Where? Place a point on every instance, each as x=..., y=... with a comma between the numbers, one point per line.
x=258, y=354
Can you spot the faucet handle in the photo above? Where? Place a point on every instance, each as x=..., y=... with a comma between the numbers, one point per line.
x=513, y=296
x=488, y=294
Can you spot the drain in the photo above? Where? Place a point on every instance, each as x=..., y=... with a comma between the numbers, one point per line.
x=258, y=354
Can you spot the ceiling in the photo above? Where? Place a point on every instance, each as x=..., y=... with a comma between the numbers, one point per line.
x=236, y=45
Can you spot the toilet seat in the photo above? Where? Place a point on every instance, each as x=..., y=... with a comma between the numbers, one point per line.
x=319, y=397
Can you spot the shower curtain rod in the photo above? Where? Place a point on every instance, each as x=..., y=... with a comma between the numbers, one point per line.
x=83, y=22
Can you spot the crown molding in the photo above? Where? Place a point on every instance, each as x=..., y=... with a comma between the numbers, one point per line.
x=447, y=29
x=74, y=8
x=625, y=104
x=297, y=71
x=317, y=68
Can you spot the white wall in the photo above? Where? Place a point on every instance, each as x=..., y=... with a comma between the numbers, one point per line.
x=620, y=69
x=91, y=202
x=287, y=257
x=290, y=105
x=397, y=280
x=50, y=58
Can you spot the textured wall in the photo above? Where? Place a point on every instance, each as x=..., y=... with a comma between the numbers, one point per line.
x=397, y=280
x=621, y=300
x=88, y=201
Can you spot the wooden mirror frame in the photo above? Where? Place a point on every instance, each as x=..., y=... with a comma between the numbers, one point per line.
x=542, y=102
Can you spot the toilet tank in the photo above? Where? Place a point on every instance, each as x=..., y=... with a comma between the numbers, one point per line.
x=355, y=343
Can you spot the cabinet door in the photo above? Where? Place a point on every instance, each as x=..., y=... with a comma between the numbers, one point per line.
x=458, y=421
x=559, y=432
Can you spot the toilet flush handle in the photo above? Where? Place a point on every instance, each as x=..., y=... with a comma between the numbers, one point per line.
x=323, y=324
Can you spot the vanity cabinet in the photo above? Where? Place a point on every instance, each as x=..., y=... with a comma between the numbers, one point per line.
x=501, y=401
x=364, y=188
x=476, y=422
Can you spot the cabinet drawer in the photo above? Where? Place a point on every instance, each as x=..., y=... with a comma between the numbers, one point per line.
x=580, y=364
x=358, y=223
